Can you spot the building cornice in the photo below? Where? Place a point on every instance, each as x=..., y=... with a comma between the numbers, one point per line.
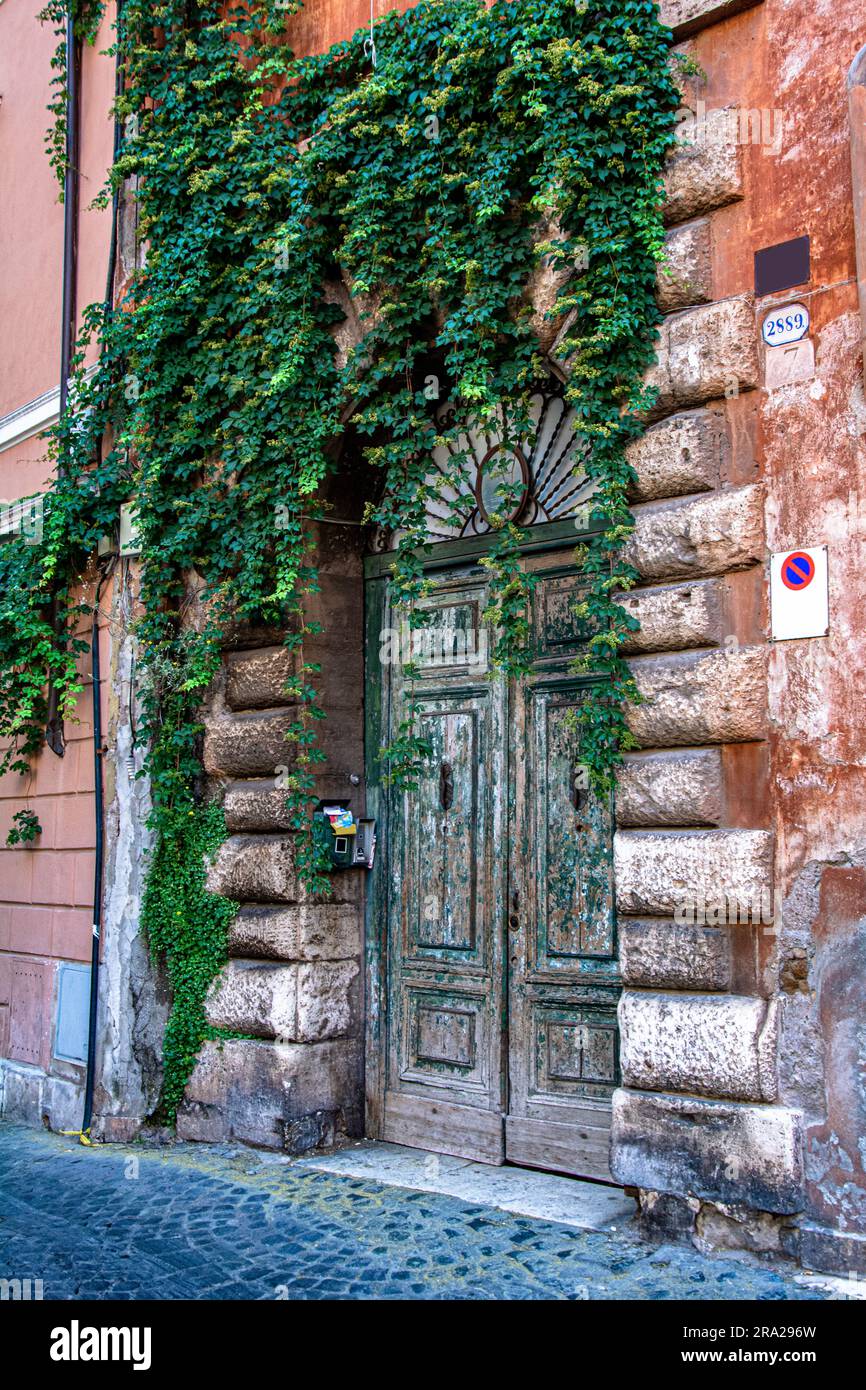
x=29, y=420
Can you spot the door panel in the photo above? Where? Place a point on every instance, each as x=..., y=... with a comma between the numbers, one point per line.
x=563, y=975
x=425, y=1123
x=569, y=829
x=447, y=897
x=445, y=845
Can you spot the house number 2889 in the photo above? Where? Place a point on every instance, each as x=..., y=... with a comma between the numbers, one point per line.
x=786, y=325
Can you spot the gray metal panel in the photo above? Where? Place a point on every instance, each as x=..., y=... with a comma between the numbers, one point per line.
x=73, y=1011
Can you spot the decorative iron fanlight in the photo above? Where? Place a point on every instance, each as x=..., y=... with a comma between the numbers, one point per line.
x=481, y=480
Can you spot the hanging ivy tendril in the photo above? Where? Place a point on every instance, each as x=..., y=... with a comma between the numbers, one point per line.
x=432, y=185
x=86, y=19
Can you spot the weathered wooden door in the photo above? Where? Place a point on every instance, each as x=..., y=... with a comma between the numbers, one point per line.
x=448, y=878
x=563, y=976
x=493, y=981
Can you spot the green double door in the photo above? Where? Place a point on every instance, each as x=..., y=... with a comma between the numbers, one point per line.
x=492, y=980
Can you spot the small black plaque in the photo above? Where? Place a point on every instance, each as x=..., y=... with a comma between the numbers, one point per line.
x=782, y=267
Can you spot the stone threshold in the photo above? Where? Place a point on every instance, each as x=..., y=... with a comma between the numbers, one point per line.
x=586, y=1206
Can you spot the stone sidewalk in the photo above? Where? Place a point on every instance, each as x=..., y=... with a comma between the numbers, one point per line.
x=178, y=1222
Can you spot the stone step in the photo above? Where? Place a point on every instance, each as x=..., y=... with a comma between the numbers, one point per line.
x=289, y=1096
x=327, y=931
x=663, y=872
x=300, y=1003
x=718, y=1045
x=750, y=1155
x=696, y=698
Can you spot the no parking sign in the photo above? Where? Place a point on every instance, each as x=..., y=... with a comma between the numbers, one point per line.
x=800, y=594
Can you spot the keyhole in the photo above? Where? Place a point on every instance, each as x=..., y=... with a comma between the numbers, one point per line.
x=446, y=786
x=579, y=795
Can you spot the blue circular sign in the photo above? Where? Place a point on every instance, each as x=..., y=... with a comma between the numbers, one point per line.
x=798, y=570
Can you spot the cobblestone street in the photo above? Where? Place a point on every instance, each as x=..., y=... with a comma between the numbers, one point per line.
x=188, y=1222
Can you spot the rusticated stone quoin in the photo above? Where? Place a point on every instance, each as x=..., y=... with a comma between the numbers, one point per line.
x=265, y=678
x=670, y=789
x=256, y=808
x=686, y=275
x=545, y=286
x=257, y=999
x=261, y=869
x=679, y=455
x=662, y=955
x=706, y=354
x=261, y=1092
x=324, y=1002
x=323, y=931
x=675, y=618
x=296, y=1003
x=693, y=699
x=708, y=535
x=658, y=872
x=256, y=868
x=248, y=745
x=687, y=17
x=258, y=679
x=718, y=1151
x=719, y=1045
x=706, y=170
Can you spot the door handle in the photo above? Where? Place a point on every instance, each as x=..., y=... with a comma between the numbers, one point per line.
x=446, y=786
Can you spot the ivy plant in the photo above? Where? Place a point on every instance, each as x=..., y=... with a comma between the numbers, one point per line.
x=86, y=17
x=270, y=189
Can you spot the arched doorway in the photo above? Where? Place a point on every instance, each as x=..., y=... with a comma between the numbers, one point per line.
x=492, y=977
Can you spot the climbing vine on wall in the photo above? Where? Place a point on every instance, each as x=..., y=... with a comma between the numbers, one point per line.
x=430, y=185
x=86, y=19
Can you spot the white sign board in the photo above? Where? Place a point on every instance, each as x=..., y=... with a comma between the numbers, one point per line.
x=800, y=594
x=785, y=366
x=786, y=325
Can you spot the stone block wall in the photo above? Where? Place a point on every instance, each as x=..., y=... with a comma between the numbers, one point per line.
x=294, y=982
x=698, y=1117
x=740, y=1120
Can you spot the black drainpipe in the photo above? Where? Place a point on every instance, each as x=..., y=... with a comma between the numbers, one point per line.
x=96, y=681
x=54, y=731
x=70, y=205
